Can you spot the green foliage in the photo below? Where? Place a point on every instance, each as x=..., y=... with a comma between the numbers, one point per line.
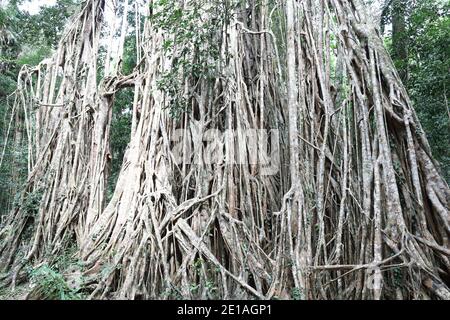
x=129, y=54
x=33, y=55
x=212, y=288
x=194, y=288
x=191, y=42
x=42, y=33
x=297, y=294
x=7, y=85
x=24, y=39
x=51, y=284
x=120, y=133
x=69, y=259
x=429, y=68
x=47, y=26
x=122, y=109
x=172, y=293
x=9, y=47
x=31, y=202
x=198, y=263
x=210, y=271
x=13, y=174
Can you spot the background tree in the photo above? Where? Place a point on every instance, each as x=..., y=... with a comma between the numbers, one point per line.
x=417, y=36
x=25, y=39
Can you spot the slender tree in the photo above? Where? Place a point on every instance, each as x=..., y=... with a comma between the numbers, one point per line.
x=400, y=37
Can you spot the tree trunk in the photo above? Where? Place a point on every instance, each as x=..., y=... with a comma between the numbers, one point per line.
x=400, y=38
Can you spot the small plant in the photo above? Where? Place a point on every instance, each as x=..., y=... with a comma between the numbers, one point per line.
x=194, y=288
x=296, y=294
x=31, y=201
x=51, y=285
x=212, y=288
x=198, y=265
x=172, y=293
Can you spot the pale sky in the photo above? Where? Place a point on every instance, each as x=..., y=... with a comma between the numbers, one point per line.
x=32, y=6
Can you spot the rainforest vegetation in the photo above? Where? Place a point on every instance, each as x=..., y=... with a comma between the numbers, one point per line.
x=225, y=149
